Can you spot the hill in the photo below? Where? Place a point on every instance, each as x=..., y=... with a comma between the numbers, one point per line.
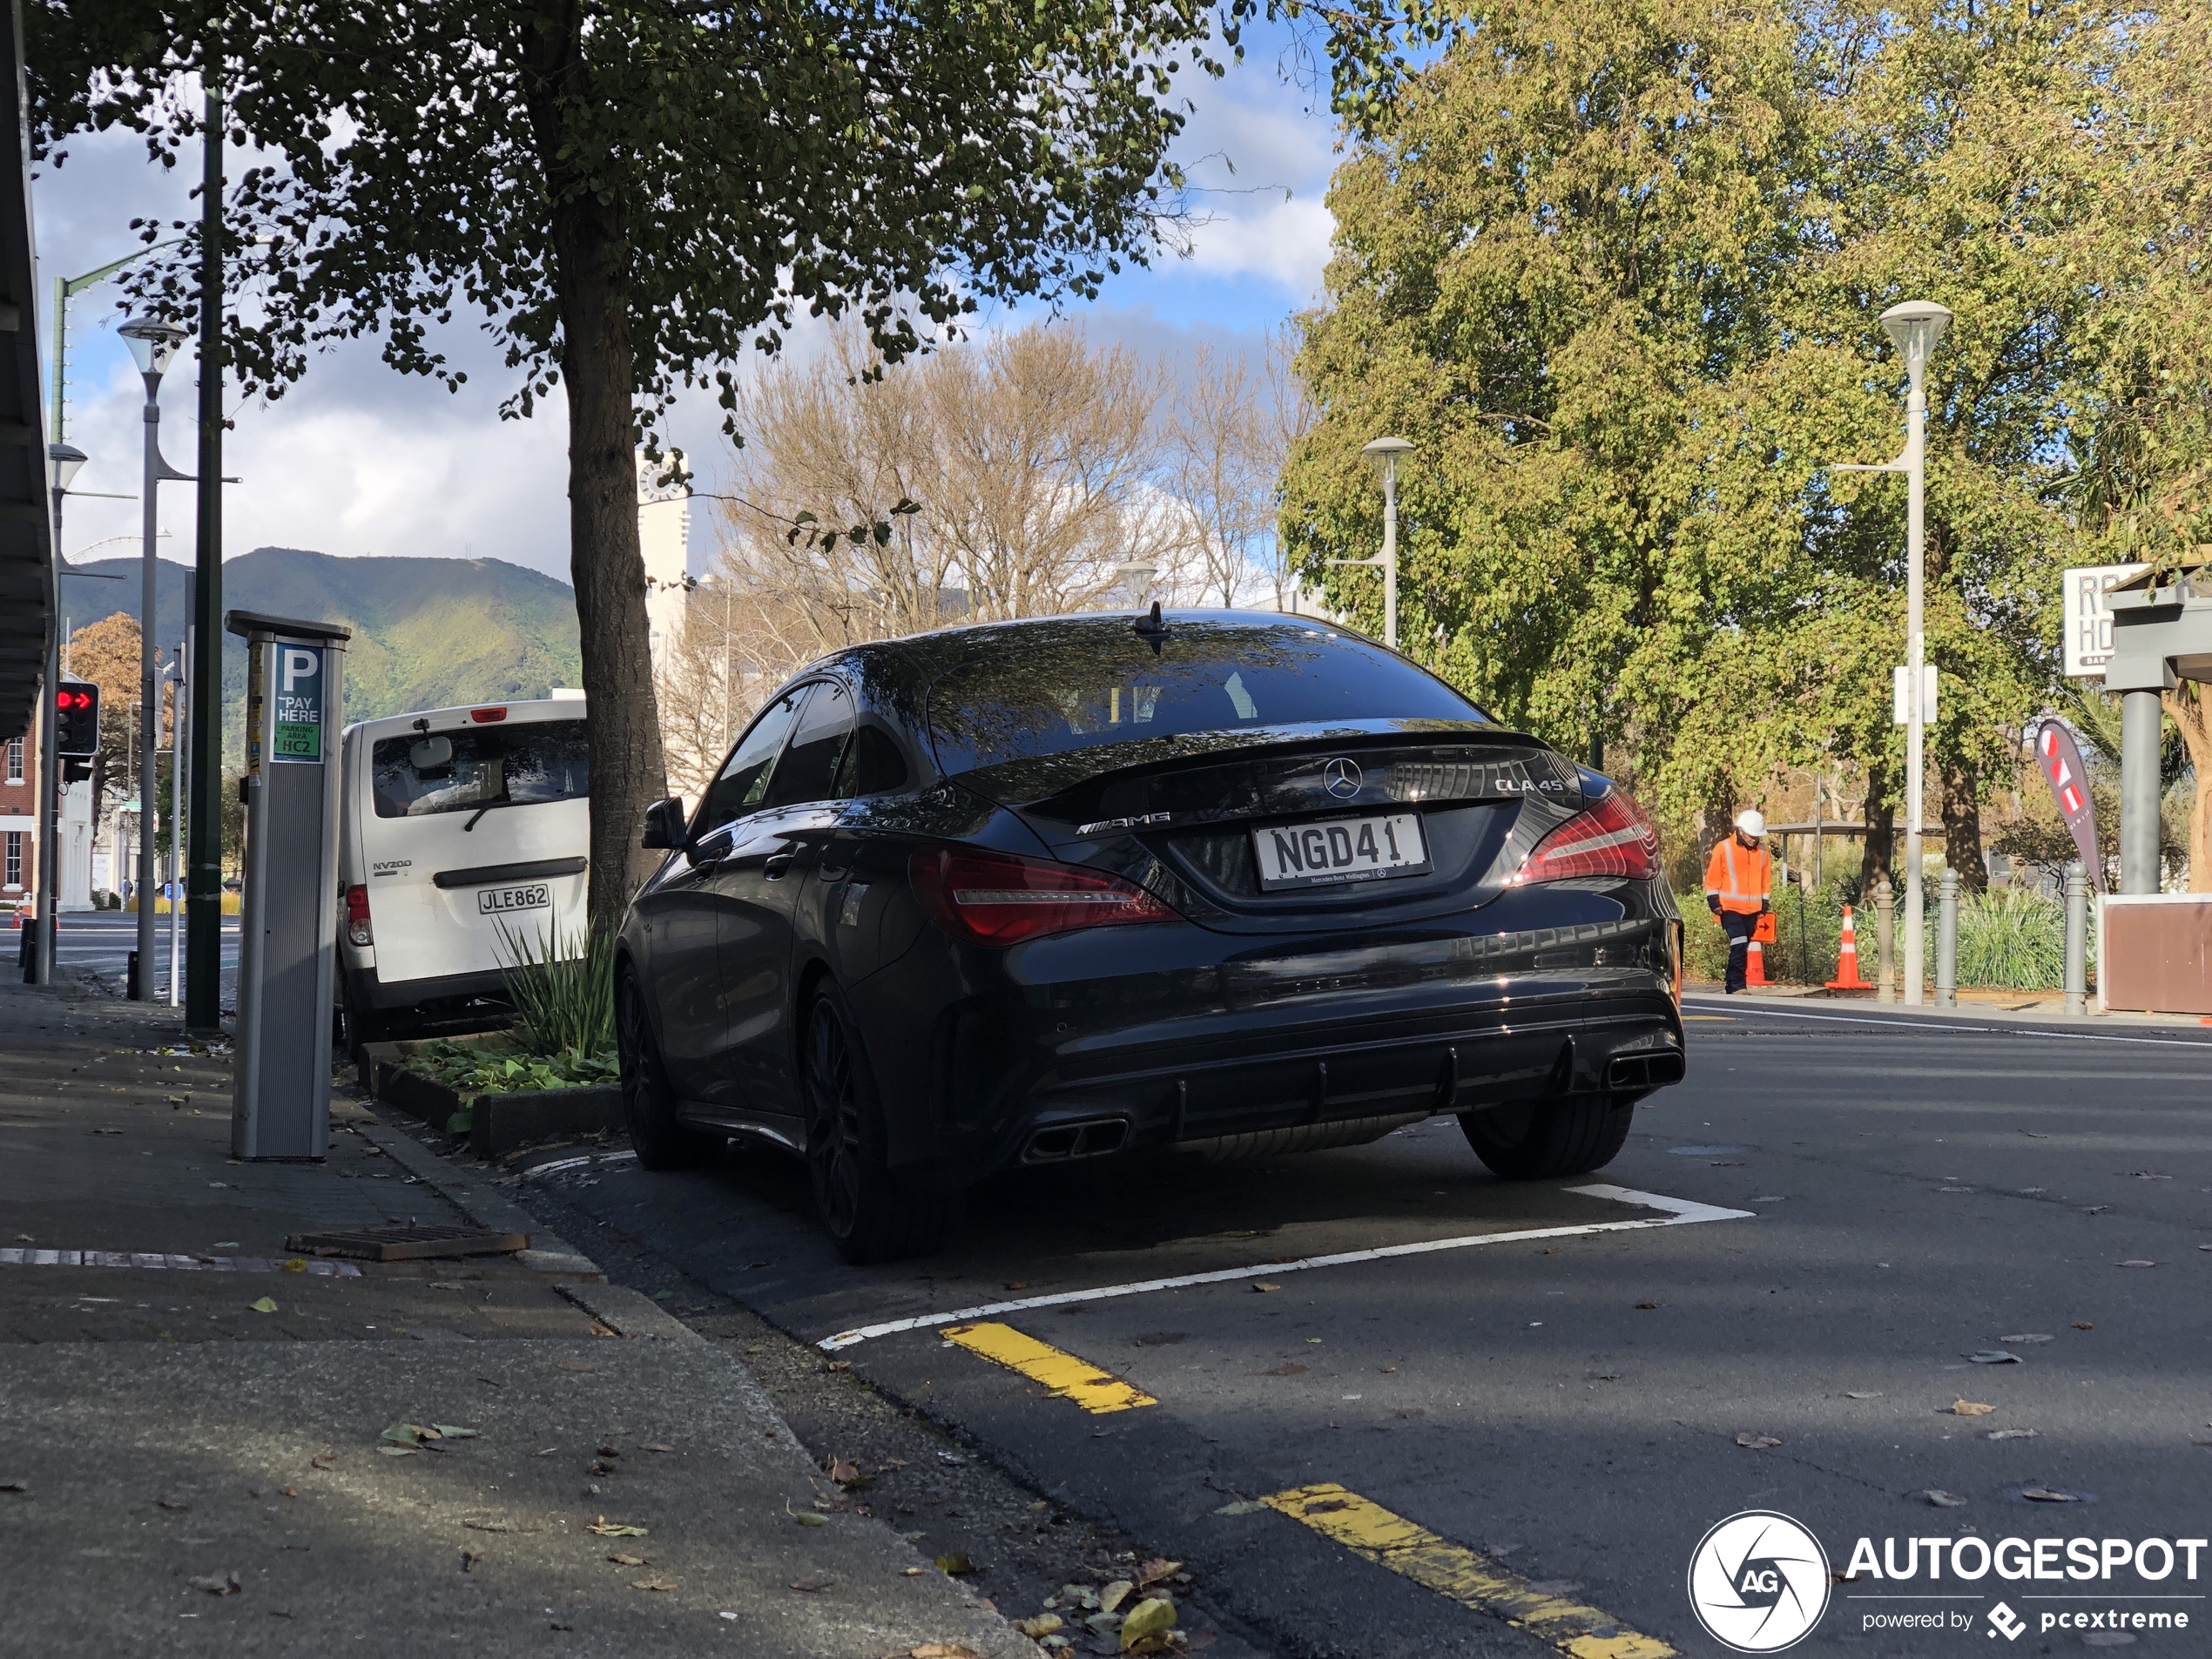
x=428, y=633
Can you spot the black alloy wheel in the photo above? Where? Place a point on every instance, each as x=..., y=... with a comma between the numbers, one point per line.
x=1570, y=1135
x=662, y=1142
x=869, y=1216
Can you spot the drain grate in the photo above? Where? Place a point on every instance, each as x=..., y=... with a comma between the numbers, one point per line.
x=408, y=1244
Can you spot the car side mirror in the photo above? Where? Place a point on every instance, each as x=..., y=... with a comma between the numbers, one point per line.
x=663, y=825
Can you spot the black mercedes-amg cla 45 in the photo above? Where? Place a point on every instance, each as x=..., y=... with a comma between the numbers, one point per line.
x=1078, y=886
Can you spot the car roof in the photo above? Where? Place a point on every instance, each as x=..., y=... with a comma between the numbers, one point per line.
x=520, y=712
x=942, y=649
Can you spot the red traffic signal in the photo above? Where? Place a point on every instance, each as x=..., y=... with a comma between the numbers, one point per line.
x=77, y=719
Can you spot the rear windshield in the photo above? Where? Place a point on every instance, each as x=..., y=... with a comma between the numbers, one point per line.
x=1078, y=685
x=493, y=765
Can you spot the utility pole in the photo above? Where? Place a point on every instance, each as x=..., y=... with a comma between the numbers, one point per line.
x=1916, y=326
x=1384, y=453
x=203, y=820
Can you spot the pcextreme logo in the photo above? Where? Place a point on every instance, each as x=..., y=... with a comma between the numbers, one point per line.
x=1758, y=1582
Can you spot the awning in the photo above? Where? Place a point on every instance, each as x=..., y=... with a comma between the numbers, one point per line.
x=27, y=575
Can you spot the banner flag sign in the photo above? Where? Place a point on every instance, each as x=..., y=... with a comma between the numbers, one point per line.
x=2061, y=759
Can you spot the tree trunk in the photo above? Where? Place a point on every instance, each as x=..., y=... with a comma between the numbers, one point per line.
x=1881, y=828
x=598, y=371
x=2190, y=712
x=1962, y=827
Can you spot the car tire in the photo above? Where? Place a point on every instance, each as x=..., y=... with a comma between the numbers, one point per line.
x=661, y=1142
x=356, y=1030
x=1571, y=1135
x=868, y=1214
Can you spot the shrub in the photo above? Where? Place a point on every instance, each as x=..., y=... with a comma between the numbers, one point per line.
x=563, y=990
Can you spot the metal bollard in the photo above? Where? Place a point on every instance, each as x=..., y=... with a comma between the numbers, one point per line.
x=1947, y=942
x=2077, y=938
x=1884, y=942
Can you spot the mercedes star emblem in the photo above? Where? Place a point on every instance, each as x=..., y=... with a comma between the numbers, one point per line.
x=1341, y=778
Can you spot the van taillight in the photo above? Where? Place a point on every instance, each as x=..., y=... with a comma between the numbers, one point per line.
x=486, y=717
x=357, y=916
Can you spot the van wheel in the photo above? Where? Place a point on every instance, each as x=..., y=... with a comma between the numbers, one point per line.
x=356, y=1030
x=868, y=1214
x=1571, y=1135
x=661, y=1142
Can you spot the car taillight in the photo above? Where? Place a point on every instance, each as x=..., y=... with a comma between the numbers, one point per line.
x=357, y=916
x=995, y=898
x=1610, y=838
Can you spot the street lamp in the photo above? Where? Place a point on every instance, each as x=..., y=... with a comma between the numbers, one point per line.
x=64, y=461
x=153, y=342
x=1915, y=326
x=1384, y=454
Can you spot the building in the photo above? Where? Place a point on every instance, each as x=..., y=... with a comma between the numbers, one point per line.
x=664, y=538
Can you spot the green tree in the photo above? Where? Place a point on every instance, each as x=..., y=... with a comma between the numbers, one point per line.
x=1617, y=269
x=633, y=194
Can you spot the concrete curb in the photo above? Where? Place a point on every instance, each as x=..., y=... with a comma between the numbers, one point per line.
x=548, y=1254
x=500, y=1122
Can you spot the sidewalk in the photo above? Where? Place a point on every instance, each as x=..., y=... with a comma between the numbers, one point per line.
x=1983, y=1009
x=170, y=1440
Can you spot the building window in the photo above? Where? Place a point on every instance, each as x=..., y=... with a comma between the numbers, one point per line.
x=15, y=760
x=15, y=858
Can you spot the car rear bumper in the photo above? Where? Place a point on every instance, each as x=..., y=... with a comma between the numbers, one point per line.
x=1200, y=1038
x=366, y=990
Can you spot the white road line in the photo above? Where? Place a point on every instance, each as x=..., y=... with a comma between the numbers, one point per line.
x=13, y=1257
x=559, y=1164
x=1682, y=1212
x=1911, y=1024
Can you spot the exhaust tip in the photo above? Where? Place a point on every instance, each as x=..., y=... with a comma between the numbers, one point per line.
x=1654, y=1070
x=1063, y=1143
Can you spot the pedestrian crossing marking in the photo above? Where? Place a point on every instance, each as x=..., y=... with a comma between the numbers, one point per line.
x=1391, y=1541
x=1065, y=1375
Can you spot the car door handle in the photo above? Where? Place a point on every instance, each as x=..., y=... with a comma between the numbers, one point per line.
x=778, y=865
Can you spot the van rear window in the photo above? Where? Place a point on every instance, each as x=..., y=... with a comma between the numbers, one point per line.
x=459, y=771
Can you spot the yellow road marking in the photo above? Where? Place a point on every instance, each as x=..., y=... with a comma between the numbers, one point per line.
x=1064, y=1374
x=1391, y=1540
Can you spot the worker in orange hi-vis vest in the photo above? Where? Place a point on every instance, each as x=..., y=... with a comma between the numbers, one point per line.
x=1739, y=879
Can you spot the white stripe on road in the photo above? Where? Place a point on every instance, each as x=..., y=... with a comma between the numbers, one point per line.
x=559, y=1164
x=1681, y=1212
x=15, y=1257
x=1911, y=1023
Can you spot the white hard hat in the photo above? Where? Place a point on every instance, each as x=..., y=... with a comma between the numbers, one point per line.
x=1751, y=822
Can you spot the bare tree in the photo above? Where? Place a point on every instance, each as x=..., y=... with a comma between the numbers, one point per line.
x=1227, y=440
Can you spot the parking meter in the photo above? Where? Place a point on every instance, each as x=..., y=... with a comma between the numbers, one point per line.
x=294, y=702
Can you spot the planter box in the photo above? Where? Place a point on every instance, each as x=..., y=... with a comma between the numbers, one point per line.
x=498, y=1122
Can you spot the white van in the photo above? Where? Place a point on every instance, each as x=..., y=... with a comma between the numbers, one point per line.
x=453, y=825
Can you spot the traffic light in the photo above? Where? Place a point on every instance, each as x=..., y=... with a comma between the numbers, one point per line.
x=77, y=719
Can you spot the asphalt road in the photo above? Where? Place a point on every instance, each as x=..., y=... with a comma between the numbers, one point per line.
x=100, y=942
x=1854, y=1207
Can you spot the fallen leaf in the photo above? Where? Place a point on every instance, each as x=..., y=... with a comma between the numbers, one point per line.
x=844, y=1472
x=484, y=1523
x=172, y=1503
x=322, y=1459
x=606, y=1528
x=1646, y=1307
x=2085, y=1325
x=1147, y=1621
x=1995, y=1357
x=1943, y=1500
x=292, y=1492
x=218, y=1584
x=936, y=1650
x=839, y=1364
x=448, y=1432
x=955, y=1565
x=1241, y=1507
x=2027, y=1336
x=1970, y=1408
x=912, y=1572
x=2139, y=1264
x=813, y=1583
x=264, y=1305
x=2010, y=1434
x=1110, y=1596
x=652, y=1583
x=2045, y=1495
x=620, y=1559
x=1875, y=1393
x=409, y=1434
x=1756, y=1442
x=655, y=1446
x=399, y=1451
x=806, y=1519
x=1017, y=1284
x=1153, y=1571
x=1259, y=1286
x=1043, y=1625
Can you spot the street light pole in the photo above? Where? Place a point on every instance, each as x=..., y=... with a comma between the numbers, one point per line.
x=1384, y=453
x=62, y=460
x=1915, y=326
x=153, y=342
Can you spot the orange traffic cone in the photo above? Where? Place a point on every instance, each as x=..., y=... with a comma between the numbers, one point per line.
x=1847, y=977
x=1755, y=966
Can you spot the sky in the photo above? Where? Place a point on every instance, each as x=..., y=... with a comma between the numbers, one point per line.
x=355, y=459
